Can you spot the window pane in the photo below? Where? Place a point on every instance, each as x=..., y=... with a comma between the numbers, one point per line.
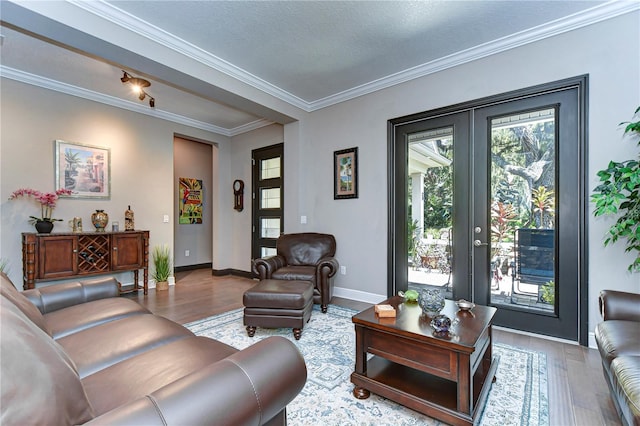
x=270, y=198
x=270, y=227
x=523, y=209
x=270, y=168
x=267, y=251
x=431, y=207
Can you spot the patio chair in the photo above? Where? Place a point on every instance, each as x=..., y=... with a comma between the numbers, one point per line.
x=534, y=259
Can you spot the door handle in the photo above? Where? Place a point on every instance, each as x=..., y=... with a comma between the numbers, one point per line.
x=479, y=243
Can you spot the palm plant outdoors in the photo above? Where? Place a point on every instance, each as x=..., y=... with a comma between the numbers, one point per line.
x=543, y=203
x=619, y=194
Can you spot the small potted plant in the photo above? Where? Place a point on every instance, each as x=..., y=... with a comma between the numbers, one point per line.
x=162, y=263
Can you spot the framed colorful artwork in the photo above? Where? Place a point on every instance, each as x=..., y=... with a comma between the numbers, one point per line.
x=190, y=203
x=83, y=169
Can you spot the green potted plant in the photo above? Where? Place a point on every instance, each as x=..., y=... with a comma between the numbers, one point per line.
x=619, y=194
x=162, y=264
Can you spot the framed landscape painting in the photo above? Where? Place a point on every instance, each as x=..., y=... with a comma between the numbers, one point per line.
x=345, y=174
x=83, y=169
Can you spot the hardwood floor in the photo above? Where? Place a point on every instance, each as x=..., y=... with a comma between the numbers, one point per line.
x=578, y=394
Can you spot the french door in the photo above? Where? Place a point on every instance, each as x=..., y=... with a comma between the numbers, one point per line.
x=267, y=199
x=489, y=204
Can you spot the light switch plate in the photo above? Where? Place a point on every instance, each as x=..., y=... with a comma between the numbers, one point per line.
x=165, y=218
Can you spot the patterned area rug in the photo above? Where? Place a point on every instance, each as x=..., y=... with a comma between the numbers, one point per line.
x=518, y=397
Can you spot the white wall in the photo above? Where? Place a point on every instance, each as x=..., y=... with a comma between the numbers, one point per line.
x=608, y=51
x=141, y=164
x=193, y=159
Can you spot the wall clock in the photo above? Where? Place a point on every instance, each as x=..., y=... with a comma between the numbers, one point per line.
x=238, y=195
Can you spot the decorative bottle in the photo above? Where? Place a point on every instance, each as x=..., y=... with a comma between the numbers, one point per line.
x=128, y=219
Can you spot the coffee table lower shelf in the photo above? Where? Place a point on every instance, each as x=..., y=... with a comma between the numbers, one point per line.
x=428, y=394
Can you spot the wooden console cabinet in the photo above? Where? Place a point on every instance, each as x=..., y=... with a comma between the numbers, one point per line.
x=48, y=257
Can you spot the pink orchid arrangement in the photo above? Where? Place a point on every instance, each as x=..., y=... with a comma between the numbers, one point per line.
x=47, y=201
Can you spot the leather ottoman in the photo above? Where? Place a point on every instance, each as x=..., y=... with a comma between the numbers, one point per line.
x=278, y=304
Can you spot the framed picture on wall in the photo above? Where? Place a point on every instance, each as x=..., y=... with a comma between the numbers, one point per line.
x=345, y=174
x=83, y=169
x=191, y=201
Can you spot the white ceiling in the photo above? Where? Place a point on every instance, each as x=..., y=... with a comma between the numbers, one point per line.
x=308, y=53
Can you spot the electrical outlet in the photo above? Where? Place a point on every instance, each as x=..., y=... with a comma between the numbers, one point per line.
x=186, y=253
x=343, y=270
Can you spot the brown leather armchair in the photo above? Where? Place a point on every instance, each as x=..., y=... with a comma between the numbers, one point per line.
x=307, y=256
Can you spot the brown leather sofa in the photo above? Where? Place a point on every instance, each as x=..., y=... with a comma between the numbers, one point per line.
x=77, y=353
x=307, y=256
x=618, y=339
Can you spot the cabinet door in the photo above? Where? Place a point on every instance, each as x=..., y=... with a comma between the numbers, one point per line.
x=126, y=251
x=57, y=256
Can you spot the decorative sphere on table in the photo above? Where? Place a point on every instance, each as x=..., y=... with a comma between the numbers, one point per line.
x=431, y=301
x=441, y=323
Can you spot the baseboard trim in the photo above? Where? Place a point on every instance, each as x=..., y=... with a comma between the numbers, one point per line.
x=231, y=271
x=360, y=296
x=193, y=267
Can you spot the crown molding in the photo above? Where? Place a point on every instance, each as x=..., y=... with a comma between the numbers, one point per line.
x=582, y=19
x=155, y=34
x=47, y=83
x=588, y=17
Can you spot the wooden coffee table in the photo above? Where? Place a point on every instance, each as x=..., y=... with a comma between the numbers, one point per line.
x=446, y=377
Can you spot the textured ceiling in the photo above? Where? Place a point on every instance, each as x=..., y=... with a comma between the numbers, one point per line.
x=308, y=53
x=315, y=49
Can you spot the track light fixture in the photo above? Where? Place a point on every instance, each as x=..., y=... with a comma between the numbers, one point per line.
x=138, y=85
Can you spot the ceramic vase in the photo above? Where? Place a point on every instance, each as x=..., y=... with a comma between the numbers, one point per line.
x=44, y=226
x=99, y=219
x=431, y=301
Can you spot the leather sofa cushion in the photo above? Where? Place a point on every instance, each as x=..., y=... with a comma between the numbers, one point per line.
x=616, y=337
x=35, y=369
x=86, y=315
x=143, y=374
x=11, y=293
x=279, y=294
x=141, y=332
x=299, y=273
x=625, y=377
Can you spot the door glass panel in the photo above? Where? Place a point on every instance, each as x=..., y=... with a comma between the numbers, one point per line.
x=523, y=210
x=270, y=227
x=270, y=198
x=270, y=168
x=267, y=251
x=430, y=193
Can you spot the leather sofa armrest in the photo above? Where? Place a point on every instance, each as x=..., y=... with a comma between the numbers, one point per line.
x=59, y=296
x=265, y=266
x=619, y=305
x=250, y=387
x=328, y=266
